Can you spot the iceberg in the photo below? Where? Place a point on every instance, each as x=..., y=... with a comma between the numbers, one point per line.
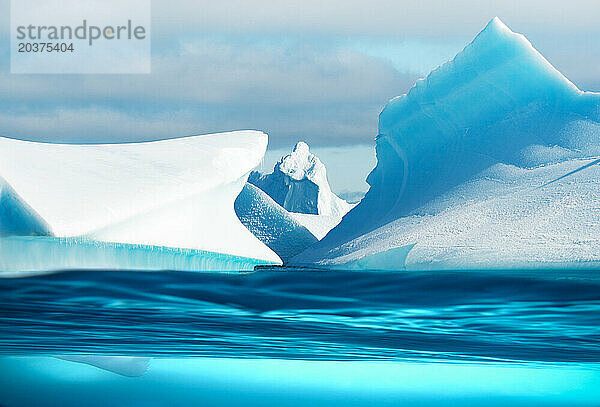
x=163, y=198
x=299, y=184
x=271, y=223
x=293, y=207
x=490, y=161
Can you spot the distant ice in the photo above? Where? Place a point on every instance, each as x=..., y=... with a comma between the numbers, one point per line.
x=346, y=181
x=299, y=184
x=293, y=207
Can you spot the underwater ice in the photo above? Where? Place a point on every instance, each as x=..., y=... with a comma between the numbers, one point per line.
x=131, y=205
x=488, y=162
x=128, y=366
x=232, y=382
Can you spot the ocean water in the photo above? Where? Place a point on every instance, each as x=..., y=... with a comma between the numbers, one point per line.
x=289, y=337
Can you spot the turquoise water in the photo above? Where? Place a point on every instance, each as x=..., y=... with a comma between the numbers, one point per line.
x=290, y=338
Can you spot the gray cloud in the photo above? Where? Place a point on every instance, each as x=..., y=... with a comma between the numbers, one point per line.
x=437, y=18
x=564, y=31
x=374, y=17
x=327, y=95
x=275, y=66
x=223, y=73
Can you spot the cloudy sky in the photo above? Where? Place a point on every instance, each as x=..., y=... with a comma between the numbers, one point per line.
x=318, y=71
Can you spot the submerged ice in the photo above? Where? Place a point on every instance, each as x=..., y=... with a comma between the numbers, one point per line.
x=490, y=161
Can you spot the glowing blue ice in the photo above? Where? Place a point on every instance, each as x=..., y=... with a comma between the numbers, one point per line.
x=465, y=164
x=20, y=256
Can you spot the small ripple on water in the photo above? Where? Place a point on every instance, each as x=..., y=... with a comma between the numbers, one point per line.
x=528, y=316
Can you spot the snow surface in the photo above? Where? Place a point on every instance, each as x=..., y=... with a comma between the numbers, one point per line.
x=299, y=184
x=272, y=224
x=488, y=162
x=319, y=225
x=176, y=193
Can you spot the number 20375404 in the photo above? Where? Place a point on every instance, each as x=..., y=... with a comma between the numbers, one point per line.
x=45, y=47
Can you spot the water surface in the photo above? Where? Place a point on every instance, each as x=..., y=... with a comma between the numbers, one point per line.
x=293, y=337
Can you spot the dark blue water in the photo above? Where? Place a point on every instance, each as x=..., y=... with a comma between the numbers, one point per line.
x=417, y=334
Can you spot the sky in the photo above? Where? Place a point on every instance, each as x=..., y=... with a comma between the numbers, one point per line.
x=318, y=71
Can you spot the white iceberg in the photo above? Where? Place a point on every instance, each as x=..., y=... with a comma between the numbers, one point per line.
x=145, y=199
x=488, y=162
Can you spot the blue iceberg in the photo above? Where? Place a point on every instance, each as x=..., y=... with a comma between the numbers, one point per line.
x=488, y=162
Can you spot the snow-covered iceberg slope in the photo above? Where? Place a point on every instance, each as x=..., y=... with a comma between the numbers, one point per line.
x=271, y=223
x=299, y=184
x=488, y=162
x=319, y=225
x=176, y=193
